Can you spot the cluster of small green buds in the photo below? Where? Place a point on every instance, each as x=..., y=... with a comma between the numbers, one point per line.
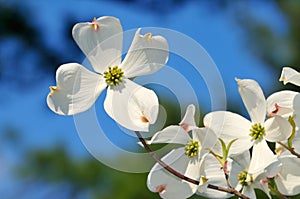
x=113, y=76
x=257, y=131
x=242, y=176
x=192, y=148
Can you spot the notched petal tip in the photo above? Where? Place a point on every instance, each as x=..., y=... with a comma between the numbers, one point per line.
x=144, y=119
x=53, y=89
x=94, y=25
x=148, y=36
x=237, y=79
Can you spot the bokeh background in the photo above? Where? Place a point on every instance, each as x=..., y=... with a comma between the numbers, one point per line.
x=41, y=155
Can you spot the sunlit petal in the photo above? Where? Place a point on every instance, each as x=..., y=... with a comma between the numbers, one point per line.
x=188, y=121
x=131, y=105
x=76, y=91
x=146, y=55
x=277, y=129
x=289, y=75
x=171, y=134
x=281, y=103
x=262, y=157
x=253, y=98
x=168, y=185
x=101, y=41
x=229, y=126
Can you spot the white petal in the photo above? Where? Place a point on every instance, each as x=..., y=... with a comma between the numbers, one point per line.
x=174, y=187
x=146, y=55
x=229, y=126
x=288, y=179
x=289, y=75
x=277, y=129
x=171, y=134
x=76, y=91
x=281, y=103
x=253, y=98
x=131, y=105
x=296, y=106
x=206, y=137
x=262, y=157
x=188, y=121
x=249, y=191
x=215, y=175
x=101, y=41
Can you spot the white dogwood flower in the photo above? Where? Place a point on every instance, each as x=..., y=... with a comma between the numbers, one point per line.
x=290, y=75
x=128, y=103
x=249, y=181
x=186, y=159
x=254, y=133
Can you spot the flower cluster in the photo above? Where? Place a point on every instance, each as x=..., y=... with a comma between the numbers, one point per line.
x=230, y=155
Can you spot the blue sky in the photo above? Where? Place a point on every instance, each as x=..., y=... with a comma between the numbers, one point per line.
x=216, y=32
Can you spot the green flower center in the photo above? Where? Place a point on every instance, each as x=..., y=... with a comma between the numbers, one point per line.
x=242, y=176
x=257, y=131
x=192, y=148
x=113, y=76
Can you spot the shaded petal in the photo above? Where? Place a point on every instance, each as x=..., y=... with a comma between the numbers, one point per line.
x=281, y=103
x=171, y=134
x=249, y=191
x=76, y=91
x=215, y=175
x=131, y=105
x=169, y=185
x=206, y=137
x=277, y=129
x=146, y=55
x=296, y=105
x=262, y=157
x=188, y=121
x=229, y=126
x=289, y=75
x=288, y=179
x=253, y=98
x=101, y=41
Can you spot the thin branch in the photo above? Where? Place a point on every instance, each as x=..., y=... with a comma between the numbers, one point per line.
x=179, y=175
x=292, y=150
x=228, y=190
x=167, y=167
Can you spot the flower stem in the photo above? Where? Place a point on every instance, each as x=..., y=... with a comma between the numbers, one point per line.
x=292, y=150
x=277, y=192
x=179, y=175
x=163, y=164
x=228, y=190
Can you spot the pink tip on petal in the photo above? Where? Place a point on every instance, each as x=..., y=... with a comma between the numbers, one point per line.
x=161, y=189
x=185, y=126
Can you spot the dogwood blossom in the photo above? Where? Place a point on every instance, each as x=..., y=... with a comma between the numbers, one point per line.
x=187, y=159
x=254, y=133
x=289, y=75
x=249, y=181
x=128, y=103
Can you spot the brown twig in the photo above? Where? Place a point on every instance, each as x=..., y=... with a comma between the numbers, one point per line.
x=291, y=150
x=179, y=175
x=228, y=190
